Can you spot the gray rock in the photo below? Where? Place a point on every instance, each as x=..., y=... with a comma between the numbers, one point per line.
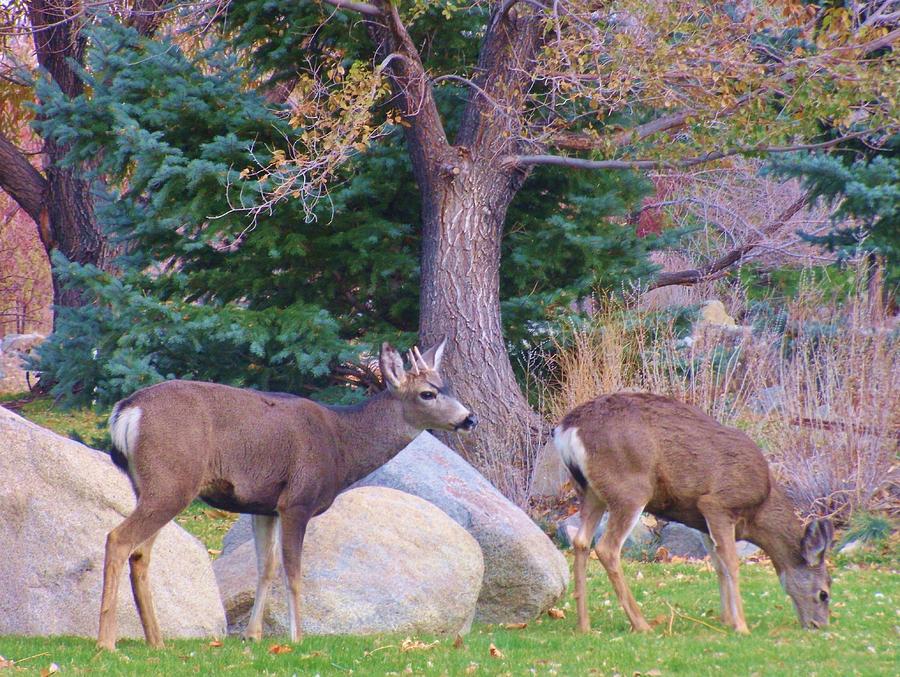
x=524, y=573
x=567, y=529
x=58, y=500
x=549, y=474
x=768, y=400
x=852, y=546
x=378, y=560
x=21, y=343
x=746, y=549
x=683, y=541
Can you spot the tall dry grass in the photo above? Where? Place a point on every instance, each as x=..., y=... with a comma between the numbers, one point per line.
x=819, y=389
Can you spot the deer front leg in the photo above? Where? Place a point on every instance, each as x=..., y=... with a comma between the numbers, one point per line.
x=592, y=509
x=725, y=602
x=293, y=530
x=622, y=518
x=264, y=540
x=721, y=531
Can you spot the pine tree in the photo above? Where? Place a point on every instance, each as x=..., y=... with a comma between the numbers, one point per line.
x=287, y=300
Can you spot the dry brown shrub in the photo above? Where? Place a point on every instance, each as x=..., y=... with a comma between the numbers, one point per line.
x=831, y=380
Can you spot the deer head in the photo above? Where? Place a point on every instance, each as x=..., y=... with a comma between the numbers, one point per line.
x=427, y=402
x=808, y=582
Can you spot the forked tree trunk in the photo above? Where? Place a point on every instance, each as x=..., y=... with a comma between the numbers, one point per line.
x=460, y=299
x=466, y=191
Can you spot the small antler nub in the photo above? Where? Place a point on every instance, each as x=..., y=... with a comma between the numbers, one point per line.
x=421, y=363
x=414, y=368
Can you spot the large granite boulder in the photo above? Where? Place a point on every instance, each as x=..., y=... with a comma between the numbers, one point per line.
x=524, y=573
x=377, y=560
x=58, y=500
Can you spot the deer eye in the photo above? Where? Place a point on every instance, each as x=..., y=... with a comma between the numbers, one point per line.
x=427, y=394
x=823, y=596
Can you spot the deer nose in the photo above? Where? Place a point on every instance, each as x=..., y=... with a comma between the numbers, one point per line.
x=467, y=424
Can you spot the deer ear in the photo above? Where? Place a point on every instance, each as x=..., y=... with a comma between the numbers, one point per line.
x=816, y=541
x=433, y=355
x=391, y=366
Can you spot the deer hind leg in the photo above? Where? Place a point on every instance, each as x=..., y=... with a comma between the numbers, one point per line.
x=622, y=518
x=293, y=531
x=264, y=530
x=721, y=531
x=139, y=562
x=139, y=527
x=725, y=601
x=592, y=509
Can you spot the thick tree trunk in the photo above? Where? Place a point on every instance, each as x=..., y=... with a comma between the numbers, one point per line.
x=71, y=223
x=465, y=193
x=67, y=220
x=460, y=299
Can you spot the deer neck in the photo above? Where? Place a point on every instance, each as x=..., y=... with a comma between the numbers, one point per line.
x=371, y=434
x=777, y=530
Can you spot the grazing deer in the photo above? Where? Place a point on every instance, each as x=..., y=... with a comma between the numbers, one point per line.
x=635, y=452
x=279, y=457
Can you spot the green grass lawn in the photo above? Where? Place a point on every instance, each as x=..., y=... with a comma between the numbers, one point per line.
x=681, y=599
x=687, y=640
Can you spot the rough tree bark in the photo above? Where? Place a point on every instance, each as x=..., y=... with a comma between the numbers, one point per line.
x=466, y=191
x=60, y=200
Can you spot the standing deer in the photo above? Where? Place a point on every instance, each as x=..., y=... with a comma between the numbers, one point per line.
x=634, y=452
x=279, y=457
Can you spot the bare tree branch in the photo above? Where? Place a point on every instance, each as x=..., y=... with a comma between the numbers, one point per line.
x=718, y=267
x=426, y=137
x=353, y=6
x=581, y=163
x=21, y=180
x=147, y=15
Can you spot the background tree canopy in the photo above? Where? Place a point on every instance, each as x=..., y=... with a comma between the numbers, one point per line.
x=286, y=300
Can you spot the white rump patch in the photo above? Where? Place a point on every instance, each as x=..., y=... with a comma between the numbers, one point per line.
x=570, y=447
x=124, y=427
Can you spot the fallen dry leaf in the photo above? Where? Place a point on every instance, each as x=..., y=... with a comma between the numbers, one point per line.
x=51, y=669
x=5, y=663
x=215, y=644
x=458, y=642
x=516, y=626
x=495, y=652
x=472, y=669
x=659, y=620
x=213, y=551
x=410, y=644
x=558, y=614
x=280, y=648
